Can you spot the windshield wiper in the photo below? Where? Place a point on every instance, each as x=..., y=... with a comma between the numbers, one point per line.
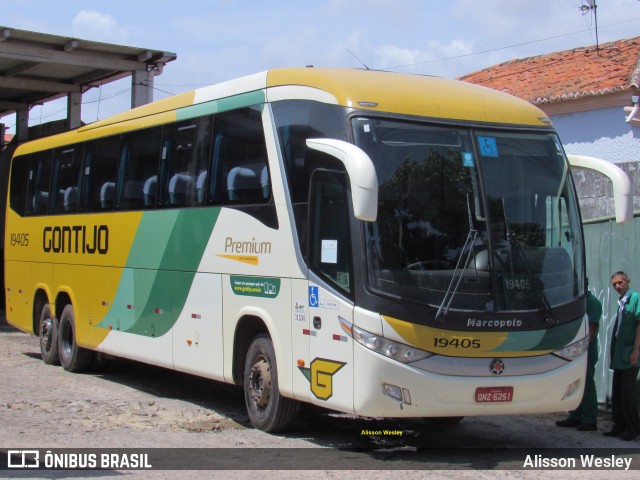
x=460, y=266
x=514, y=245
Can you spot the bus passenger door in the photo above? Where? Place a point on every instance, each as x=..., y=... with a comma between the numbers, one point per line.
x=330, y=368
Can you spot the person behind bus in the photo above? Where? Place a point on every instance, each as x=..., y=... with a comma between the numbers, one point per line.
x=625, y=350
x=585, y=417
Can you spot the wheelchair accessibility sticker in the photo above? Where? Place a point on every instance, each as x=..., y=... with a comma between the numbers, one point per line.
x=488, y=146
x=313, y=297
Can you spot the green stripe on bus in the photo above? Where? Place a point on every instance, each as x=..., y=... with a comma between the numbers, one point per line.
x=540, y=340
x=560, y=336
x=520, y=341
x=222, y=105
x=152, y=238
x=154, y=287
x=168, y=294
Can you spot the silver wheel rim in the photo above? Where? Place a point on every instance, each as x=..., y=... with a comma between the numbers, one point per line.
x=46, y=334
x=260, y=383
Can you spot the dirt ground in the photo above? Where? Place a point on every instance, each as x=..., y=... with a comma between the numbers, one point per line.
x=129, y=405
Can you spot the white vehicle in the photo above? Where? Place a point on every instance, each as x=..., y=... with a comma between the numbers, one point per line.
x=370, y=242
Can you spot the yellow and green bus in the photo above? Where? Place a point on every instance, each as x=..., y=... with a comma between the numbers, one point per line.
x=380, y=244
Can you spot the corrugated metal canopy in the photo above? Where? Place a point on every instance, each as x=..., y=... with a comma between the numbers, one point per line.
x=38, y=67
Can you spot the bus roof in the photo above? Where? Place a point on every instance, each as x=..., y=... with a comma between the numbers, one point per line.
x=370, y=90
x=413, y=95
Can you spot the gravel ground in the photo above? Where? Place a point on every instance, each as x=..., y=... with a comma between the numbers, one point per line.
x=129, y=405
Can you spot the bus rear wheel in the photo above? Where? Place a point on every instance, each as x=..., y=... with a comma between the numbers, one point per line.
x=268, y=410
x=72, y=357
x=48, y=333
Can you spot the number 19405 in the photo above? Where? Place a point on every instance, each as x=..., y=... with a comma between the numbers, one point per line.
x=517, y=284
x=456, y=342
x=19, y=239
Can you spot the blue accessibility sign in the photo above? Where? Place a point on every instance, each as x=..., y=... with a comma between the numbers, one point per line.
x=313, y=297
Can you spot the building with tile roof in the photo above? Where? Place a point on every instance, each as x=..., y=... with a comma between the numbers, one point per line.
x=571, y=80
x=591, y=95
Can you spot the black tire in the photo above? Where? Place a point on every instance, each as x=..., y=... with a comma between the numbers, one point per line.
x=72, y=357
x=268, y=410
x=48, y=333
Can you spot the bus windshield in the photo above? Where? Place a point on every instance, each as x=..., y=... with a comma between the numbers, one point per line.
x=477, y=220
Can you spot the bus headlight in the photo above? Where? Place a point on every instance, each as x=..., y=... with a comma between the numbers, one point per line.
x=573, y=351
x=395, y=350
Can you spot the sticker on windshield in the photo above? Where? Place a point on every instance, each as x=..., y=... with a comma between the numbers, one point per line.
x=488, y=146
x=467, y=159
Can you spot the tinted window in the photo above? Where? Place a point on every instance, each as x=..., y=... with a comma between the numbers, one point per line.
x=298, y=121
x=66, y=179
x=39, y=183
x=100, y=174
x=19, y=180
x=184, y=163
x=240, y=174
x=138, y=169
x=330, y=239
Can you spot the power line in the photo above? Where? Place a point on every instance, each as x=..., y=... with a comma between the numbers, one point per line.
x=503, y=48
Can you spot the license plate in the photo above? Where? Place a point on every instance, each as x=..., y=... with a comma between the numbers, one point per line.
x=494, y=394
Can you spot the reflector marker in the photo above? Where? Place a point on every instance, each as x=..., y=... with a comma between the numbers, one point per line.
x=339, y=338
x=129, y=307
x=196, y=316
x=306, y=331
x=159, y=311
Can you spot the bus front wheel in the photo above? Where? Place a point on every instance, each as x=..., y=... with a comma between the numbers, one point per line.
x=267, y=409
x=72, y=357
x=48, y=333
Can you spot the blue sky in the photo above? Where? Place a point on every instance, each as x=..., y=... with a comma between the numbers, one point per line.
x=217, y=40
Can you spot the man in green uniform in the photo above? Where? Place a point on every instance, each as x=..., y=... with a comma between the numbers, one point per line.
x=625, y=350
x=585, y=417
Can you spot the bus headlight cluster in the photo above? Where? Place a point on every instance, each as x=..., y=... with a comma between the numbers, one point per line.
x=573, y=351
x=395, y=350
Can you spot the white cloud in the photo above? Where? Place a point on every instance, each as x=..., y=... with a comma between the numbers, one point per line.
x=93, y=25
x=394, y=56
x=436, y=58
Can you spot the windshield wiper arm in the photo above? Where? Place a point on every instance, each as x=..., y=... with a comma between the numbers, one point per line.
x=513, y=244
x=460, y=265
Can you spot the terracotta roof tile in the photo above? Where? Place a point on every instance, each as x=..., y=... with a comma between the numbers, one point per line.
x=566, y=75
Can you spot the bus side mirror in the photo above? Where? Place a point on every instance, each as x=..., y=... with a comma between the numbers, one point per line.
x=361, y=172
x=622, y=188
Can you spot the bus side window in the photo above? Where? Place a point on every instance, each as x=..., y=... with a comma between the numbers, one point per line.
x=240, y=173
x=19, y=181
x=138, y=170
x=39, y=183
x=100, y=173
x=65, y=186
x=184, y=163
x=329, y=233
